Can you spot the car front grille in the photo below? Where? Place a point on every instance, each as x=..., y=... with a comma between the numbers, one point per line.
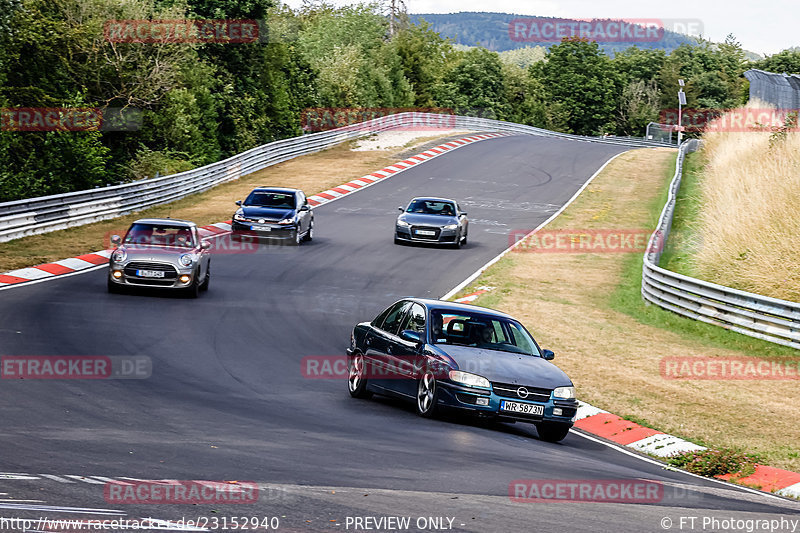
x=509, y=390
x=169, y=271
x=436, y=231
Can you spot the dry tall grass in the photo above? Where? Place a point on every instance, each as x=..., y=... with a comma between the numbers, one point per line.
x=749, y=229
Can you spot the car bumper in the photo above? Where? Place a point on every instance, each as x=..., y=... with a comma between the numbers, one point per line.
x=445, y=236
x=128, y=277
x=468, y=399
x=264, y=231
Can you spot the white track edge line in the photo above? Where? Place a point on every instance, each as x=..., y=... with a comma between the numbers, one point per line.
x=497, y=258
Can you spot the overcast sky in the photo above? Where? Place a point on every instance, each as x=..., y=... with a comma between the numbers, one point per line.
x=762, y=26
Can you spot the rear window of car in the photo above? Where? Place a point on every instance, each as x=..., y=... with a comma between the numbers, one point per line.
x=278, y=200
x=430, y=207
x=155, y=235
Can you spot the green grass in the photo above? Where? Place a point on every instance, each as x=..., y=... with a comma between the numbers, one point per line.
x=682, y=243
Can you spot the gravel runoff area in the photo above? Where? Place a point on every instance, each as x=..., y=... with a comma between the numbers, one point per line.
x=386, y=140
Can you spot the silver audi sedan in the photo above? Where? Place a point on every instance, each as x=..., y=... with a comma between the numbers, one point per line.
x=160, y=253
x=432, y=220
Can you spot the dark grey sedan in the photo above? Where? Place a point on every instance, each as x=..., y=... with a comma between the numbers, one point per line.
x=275, y=214
x=432, y=220
x=448, y=355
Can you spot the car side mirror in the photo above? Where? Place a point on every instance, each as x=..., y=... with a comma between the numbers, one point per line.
x=411, y=336
x=548, y=354
x=239, y=203
x=116, y=240
x=304, y=208
x=205, y=245
x=400, y=209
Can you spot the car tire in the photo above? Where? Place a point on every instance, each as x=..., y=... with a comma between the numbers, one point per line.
x=356, y=381
x=464, y=240
x=309, y=236
x=207, y=280
x=114, y=288
x=397, y=241
x=298, y=237
x=427, y=395
x=193, y=290
x=457, y=244
x=551, y=431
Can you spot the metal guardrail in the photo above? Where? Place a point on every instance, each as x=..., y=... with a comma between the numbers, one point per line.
x=49, y=213
x=766, y=318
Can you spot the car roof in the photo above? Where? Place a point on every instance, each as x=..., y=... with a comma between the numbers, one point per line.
x=432, y=199
x=275, y=189
x=166, y=221
x=457, y=307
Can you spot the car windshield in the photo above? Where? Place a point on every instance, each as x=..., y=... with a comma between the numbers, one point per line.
x=157, y=235
x=432, y=207
x=278, y=200
x=481, y=331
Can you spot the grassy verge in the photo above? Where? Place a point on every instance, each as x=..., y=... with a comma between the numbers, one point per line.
x=683, y=238
x=312, y=173
x=587, y=308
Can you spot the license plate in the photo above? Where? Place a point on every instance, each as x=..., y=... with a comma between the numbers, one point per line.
x=150, y=273
x=522, y=408
x=260, y=228
x=425, y=232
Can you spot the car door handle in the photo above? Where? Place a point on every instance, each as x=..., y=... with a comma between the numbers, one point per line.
x=389, y=349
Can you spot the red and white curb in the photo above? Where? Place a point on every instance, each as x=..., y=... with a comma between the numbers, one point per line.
x=99, y=259
x=387, y=172
x=471, y=297
x=650, y=441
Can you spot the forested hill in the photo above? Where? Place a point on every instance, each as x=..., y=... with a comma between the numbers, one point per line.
x=490, y=30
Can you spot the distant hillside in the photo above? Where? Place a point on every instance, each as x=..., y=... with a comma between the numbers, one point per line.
x=490, y=30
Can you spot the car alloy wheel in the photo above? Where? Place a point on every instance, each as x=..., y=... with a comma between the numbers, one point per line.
x=297, y=236
x=427, y=395
x=356, y=382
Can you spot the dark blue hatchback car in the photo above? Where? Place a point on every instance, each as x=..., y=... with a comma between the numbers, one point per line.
x=447, y=355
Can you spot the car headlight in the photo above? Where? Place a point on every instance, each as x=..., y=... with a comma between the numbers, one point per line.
x=468, y=379
x=403, y=223
x=119, y=256
x=564, y=393
x=286, y=221
x=451, y=226
x=186, y=260
x=239, y=216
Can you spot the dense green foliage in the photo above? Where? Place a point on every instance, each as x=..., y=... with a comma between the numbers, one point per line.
x=201, y=102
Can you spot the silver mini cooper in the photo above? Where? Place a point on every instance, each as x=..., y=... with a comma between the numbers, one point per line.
x=160, y=253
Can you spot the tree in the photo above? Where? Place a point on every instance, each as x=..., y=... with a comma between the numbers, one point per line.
x=475, y=85
x=578, y=77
